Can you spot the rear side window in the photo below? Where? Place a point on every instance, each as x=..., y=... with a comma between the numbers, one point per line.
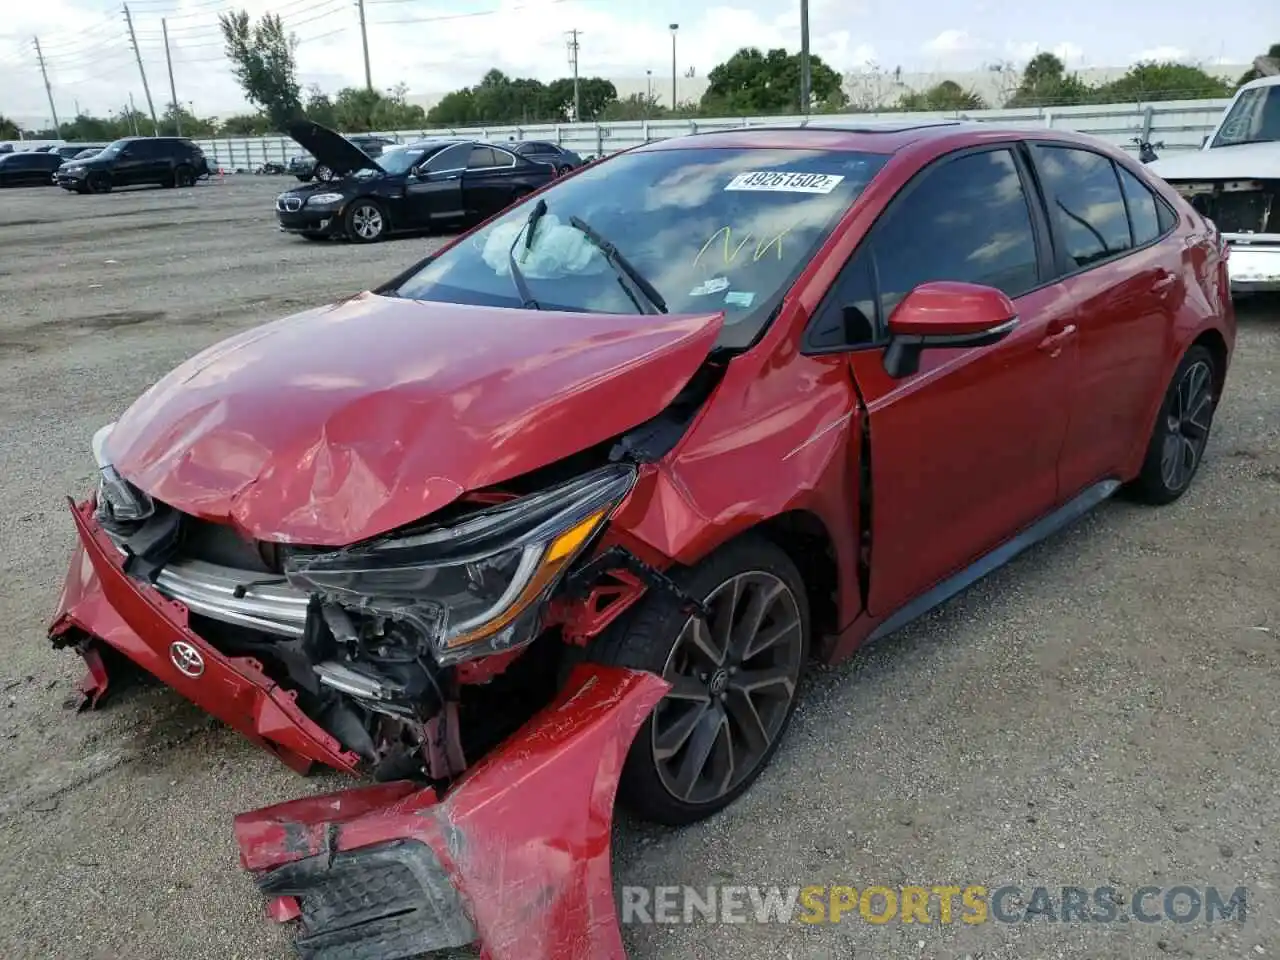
x=481, y=158
x=1144, y=209
x=1085, y=201
x=966, y=220
x=450, y=158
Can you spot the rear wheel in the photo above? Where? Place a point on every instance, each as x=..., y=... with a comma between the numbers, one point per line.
x=365, y=221
x=322, y=173
x=1182, y=430
x=733, y=676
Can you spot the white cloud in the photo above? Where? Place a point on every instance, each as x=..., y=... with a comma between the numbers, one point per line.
x=953, y=41
x=1164, y=54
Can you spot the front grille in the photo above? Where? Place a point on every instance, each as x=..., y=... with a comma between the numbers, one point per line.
x=288, y=204
x=388, y=902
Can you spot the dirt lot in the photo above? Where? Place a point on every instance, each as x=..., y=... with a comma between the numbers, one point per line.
x=1103, y=712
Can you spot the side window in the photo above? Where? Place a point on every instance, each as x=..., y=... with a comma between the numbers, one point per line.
x=1085, y=201
x=1144, y=216
x=482, y=158
x=450, y=158
x=966, y=220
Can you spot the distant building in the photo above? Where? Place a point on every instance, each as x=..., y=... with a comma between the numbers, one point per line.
x=868, y=89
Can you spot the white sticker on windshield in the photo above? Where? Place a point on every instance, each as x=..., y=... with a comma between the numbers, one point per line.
x=784, y=182
x=708, y=287
x=740, y=298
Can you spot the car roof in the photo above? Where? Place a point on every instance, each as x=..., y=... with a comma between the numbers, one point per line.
x=884, y=137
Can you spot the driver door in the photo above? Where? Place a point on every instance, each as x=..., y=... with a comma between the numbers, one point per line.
x=434, y=194
x=964, y=453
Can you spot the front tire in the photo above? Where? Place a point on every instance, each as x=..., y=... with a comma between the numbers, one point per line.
x=184, y=176
x=365, y=221
x=1181, y=432
x=734, y=680
x=100, y=183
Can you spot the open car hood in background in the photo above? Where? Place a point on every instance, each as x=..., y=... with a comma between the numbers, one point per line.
x=331, y=149
x=351, y=420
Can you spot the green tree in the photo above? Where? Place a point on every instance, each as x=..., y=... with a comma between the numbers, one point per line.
x=455, y=109
x=638, y=106
x=262, y=59
x=1253, y=73
x=947, y=95
x=1046, y=83
x=754, y=82
x=8, y=129
x=246, y=125
x=177, y=120
x=319, y=108
x=1161, y=81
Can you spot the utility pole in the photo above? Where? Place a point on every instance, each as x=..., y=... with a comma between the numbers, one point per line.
x=674, y=28
x=364, y=40
x=173, y=91
x=133, y=114
x=47, y=89
x=573, y=62
x=805, y=95
x=133, y=39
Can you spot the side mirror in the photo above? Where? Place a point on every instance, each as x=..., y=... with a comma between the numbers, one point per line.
x=945, y=314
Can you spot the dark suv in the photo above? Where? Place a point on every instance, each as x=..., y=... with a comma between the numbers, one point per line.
x=164, y=161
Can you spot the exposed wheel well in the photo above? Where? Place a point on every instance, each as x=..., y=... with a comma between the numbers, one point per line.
x=808, y=543
x=1212, y=341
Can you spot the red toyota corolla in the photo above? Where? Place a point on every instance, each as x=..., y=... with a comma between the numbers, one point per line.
x=564, y=509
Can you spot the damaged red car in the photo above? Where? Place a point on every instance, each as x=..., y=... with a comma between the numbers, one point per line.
x=565, y=509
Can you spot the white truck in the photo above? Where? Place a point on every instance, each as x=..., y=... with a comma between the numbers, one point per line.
x=1234, y=180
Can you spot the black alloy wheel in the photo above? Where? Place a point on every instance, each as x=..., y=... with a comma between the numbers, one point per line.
x=99, y=182
x=184, y=176
x=1182, y=429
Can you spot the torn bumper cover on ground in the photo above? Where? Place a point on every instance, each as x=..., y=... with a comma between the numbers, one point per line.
x=515, y=857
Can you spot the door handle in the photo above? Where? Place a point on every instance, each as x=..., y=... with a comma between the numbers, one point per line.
x=1052, y=344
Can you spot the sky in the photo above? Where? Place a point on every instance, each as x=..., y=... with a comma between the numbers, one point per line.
x=438, y=45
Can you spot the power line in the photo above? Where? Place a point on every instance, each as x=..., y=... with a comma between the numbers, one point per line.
x=439, y=18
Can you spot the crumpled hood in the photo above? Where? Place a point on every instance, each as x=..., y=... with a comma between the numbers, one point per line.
x=344, y=422
x=1248, y=161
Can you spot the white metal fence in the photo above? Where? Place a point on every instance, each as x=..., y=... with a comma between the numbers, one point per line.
x=1179, y=124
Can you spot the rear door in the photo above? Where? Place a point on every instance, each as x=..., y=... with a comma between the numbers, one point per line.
x=964, y=453
x=488, y=184
x=435, y=194
x=1127, y=285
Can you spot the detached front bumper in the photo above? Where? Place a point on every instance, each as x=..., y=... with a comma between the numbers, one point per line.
x=516, y=857
x=100, y=603
x=1252, y=266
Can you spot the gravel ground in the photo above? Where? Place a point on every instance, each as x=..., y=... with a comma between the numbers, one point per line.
x=1102, y=712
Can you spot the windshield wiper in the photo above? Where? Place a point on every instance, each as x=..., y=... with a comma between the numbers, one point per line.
x=622, y=266
x=527, y=302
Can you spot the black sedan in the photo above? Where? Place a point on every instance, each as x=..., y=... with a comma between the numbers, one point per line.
x=547, y=152
x=28, y=168
x=432, y=183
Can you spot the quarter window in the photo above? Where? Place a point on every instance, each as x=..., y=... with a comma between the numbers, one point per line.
x=1144, y=217
x=1085, y=201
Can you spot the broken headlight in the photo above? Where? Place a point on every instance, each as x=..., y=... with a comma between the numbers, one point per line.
x=118, y=500
x=475, y=586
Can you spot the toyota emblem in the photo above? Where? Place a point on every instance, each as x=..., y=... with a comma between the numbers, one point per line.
x=186, y=658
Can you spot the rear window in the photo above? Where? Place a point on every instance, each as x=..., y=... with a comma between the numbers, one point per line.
x=711, y=230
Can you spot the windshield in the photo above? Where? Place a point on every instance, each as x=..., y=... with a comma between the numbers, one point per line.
x=115, y=148
x=398, y=161
x=710, y=229
x=1253, y=118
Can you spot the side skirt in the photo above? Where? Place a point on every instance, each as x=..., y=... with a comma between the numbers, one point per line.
x=1043, y=528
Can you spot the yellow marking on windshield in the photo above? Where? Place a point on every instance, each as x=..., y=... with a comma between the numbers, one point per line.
x=731, y=252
